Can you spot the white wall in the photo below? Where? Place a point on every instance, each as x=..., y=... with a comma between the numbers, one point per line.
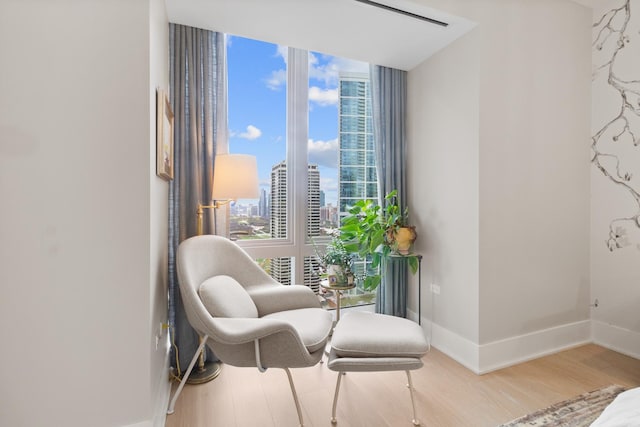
x=615, y=203
x=77, y=200
x=442, y=171
x=533, y=186
x=534, y=192
x=159, y=219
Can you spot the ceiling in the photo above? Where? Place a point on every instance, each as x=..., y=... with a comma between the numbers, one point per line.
x=345, y=28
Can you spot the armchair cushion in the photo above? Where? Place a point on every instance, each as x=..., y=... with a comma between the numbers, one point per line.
x=223, y=296
x=313, y=325
x=271, y=298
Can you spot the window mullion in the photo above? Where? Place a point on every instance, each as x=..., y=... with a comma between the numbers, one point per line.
x=297, y=136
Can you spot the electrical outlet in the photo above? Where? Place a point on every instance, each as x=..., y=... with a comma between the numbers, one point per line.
x=159, y=335
x=435, y=289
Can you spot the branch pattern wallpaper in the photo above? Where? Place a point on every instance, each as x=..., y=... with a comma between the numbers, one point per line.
x=616, y=144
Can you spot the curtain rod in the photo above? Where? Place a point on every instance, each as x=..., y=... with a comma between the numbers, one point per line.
x=403, y=12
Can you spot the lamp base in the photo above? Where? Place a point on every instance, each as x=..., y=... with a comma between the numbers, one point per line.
x=205, y=374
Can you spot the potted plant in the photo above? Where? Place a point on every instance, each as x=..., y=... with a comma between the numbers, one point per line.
x=378, y=233
x=335, y=262
x=399, y=235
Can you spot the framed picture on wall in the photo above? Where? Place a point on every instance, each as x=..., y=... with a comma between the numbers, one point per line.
x=164, y=136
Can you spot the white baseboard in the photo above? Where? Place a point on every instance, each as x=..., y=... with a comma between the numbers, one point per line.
x=489, y=357
x=459, y=348
x=161, y=401
x=511, y=351
x=616, y=338
x=450, y=343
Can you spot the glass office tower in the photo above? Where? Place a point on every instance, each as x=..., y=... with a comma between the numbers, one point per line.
x=357, y=165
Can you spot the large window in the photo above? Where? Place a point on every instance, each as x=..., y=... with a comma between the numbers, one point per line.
x=306, y=116
x=257, y=100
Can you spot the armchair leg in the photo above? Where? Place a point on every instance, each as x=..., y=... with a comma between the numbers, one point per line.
x=295, y=396
x=186, y=375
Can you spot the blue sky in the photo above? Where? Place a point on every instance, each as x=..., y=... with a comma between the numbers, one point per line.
x=257, y=107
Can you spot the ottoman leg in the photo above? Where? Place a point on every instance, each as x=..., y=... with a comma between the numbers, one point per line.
x=335, y=399
x=415, y=420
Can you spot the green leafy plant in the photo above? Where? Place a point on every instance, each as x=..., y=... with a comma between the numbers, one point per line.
x=370, y=230
x=335, y=254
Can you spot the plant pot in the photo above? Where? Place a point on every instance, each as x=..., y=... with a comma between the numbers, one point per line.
x=403, y=239
x=336, y=275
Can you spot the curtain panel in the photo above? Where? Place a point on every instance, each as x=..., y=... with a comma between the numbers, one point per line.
x=389, y=105
x=196, y=59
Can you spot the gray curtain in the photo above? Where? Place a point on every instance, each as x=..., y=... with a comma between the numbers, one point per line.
x=389, y=104
x=194, y=72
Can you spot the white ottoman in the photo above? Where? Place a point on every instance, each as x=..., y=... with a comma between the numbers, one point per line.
x=369, y=342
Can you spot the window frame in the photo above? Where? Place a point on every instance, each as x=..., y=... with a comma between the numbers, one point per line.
x=296, y=244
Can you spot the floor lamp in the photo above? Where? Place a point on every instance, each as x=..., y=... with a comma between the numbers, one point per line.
x=235, y=176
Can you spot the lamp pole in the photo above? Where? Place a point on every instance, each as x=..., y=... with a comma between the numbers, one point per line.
x=204, y=372
x=235, y=176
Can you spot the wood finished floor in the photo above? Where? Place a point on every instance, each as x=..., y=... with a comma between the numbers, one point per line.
x=447, y=394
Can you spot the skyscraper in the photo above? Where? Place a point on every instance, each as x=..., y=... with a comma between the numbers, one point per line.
x=356, y=163
x=311, y=278
x=281, y=267
x=263, y=204
x=357, y=177
x=278, y=203
x=313, y=201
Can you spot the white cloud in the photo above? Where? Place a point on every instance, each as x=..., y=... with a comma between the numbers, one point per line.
x=323, y=97
x=329, y=72
x=323, y=153
x=350, y=65
x=276, y=80
x=282, y=52
x=251, y=133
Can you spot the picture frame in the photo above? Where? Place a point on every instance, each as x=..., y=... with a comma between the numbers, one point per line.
x=164, y=136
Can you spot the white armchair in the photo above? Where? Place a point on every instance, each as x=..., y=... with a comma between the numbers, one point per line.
x=246, y=317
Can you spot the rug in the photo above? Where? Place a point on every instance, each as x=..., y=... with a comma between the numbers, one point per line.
x=579, y=411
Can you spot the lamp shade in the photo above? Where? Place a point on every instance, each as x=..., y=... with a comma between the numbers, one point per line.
x=235, y=176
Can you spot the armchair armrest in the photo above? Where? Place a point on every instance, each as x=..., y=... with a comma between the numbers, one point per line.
x=274, y=298
x=234, y=331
